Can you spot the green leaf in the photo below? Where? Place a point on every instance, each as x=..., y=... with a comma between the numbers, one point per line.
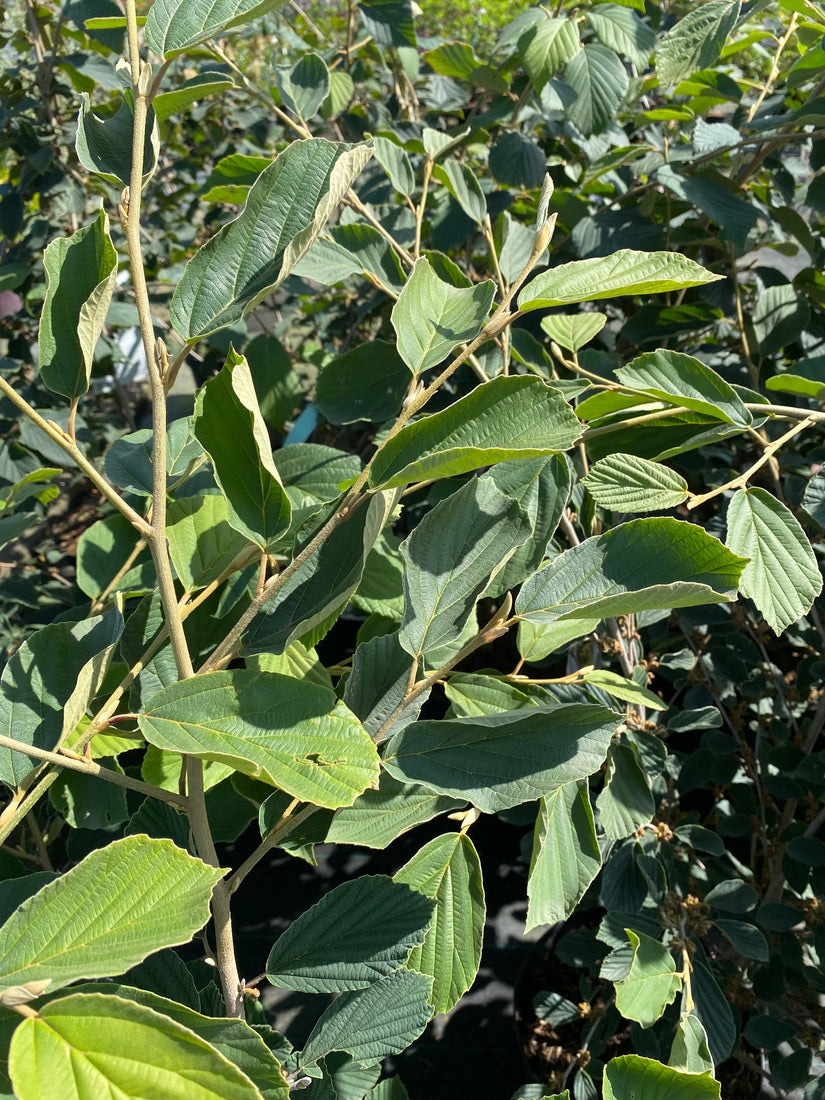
x=767, y=1033
x=98, y=1045
x=229, y=426
x=106, y=559
x=324, y=583
x=304, y=86
x=573, y=330
x=355, y=935
x=555, y=1009
x=390, y=22
x=782, y=577
x=104, y=146
x=610, y=574
x=191, y=91
x=499, y=421
x=541, y=486
x=625, y=802
x=473, y=694
x=621, y=688
x=746, y=939
x=285, y=210
x=713, y=195
x=683, y=380
x=501, y=760
x=371, y=1023
x=465, y=188
x=623, y=273
x=128, y=461
x=459, y=60
x=652, y=982
x=173, y=26
x=80, y=278
x=118, y=905
x=377, y=817
x=600, y=82
x=626, y=483
x=689, y=1052
x=695, y=41
x=806, y=379
x=565, y=857
x=368, y=383
x=291, y=733
x=630, y=1077
x=448, y=870
x=431, y=317
x=380, y=675
x=395, y=162
x=623, y=31
x=517, y=161
x=381, y=591
x=40, y=682
x=547, y=46
x=449, y=559
x=202, y=544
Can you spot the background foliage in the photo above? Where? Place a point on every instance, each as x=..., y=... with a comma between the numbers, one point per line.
x=580, y=592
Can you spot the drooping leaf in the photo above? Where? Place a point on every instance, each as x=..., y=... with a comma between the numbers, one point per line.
x=101, y=1045
x=285, y=210
x=565, y=857
x=324, y=583
x=395, y=162
x=80, y=278
x=547, y=46
x=465, y=188
x=624, y=272
x=380, y=676
x=782, y=577
x=541, y=487
x=377, y=817
x=432, y=317
x=625, y=802
x=173, y=26
x=104, y=146
x=499, y=421
x=449, y=559
x=371, y=1023
x=629, y=1077
x=684, y=380
x=695, y=41
x=501, y=760
x=600, y=82
x=610, y=574
x=55, y=665
x=689, y=1052
x=448, y=870
x=118, y=905
x=626, y=483
x=355, y=935
x=291, y=733
x=652, y=982
x=229, y=426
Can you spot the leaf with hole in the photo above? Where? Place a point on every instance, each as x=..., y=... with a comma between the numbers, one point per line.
x=291, y=733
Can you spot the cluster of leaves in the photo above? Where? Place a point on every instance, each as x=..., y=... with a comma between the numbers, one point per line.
x=455, y=322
